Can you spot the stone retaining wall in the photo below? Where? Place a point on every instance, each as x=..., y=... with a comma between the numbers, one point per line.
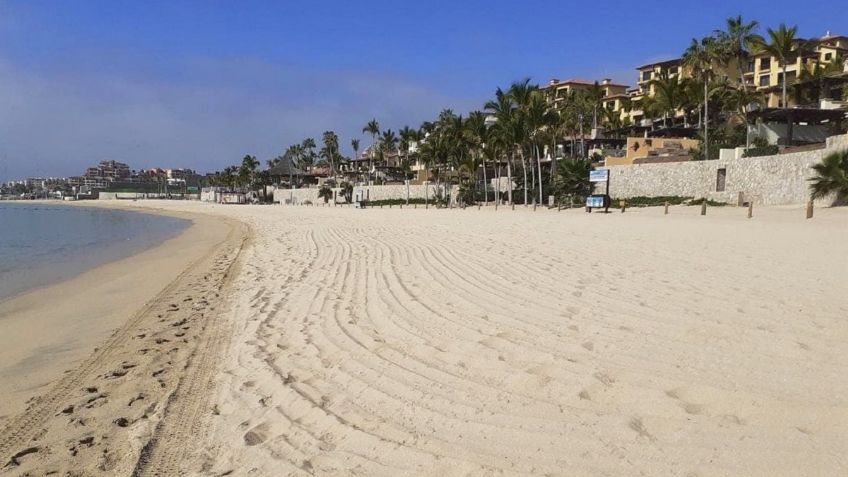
x=767, y=180
x=374, y=192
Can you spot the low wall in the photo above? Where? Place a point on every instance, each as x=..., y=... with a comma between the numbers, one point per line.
x=768, y=180
x=374, y=192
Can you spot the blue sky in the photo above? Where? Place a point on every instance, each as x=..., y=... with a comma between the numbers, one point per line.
x=201, y=83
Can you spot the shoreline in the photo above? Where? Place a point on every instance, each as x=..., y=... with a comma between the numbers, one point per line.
x=48, y=353
x=43, y=333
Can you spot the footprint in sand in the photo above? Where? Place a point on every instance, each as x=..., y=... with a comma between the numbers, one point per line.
x=257, y=435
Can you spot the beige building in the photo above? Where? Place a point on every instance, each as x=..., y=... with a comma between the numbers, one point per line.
x=654, y=149
x=765, y=73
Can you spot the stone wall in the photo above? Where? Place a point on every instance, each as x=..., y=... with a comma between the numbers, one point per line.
x=374, y=192
x=767, y=180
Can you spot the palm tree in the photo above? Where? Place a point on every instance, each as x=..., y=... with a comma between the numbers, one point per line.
x=521, y=93
x=331, y=150
x=306, y=153
x=372, y=128
x=595, y=96
x=504, y=111
x=740, y=101
x=388, y=143
x=738, y=40
x=478, y=137
x=354, y=143
x=407, y=136
x=247, y=171
x=818, y=75
x=831, y=178
x=699, y=57
x=538, y=116
x=669, y=95
x=782, y=45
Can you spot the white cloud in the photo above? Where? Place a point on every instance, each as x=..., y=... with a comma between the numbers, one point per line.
x=204, y=113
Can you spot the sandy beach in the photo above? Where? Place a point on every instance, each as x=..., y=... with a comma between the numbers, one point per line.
x=395, y=342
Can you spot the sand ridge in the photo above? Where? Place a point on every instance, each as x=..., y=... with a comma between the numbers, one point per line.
x=389, y=342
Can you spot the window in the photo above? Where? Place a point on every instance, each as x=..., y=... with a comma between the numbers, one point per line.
x=790, y=76
x=750, y=66
x=764, y=80
x=765, y=63
x=646, y=76
x=672, y=71
x=828, y=56
x=721, y=179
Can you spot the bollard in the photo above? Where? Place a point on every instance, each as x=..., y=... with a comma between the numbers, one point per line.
x=810, y=209
x=666, y=207
x=390, y=206
x=513, y=206
x=623, y=205
x=479, y=206
x=381, y=206
x=534, y=207
x=750, y=209
x=401, y=206
x=704, y=207
x=415, y=206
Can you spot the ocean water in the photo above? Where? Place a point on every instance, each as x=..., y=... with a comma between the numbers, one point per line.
x=41, y=244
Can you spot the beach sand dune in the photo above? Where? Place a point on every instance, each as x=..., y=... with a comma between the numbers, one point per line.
x=464, y=342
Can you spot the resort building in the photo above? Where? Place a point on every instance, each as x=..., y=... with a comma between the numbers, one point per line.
x=820, y=66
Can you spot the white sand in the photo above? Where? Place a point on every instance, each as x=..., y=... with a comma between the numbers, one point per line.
x=466, y=342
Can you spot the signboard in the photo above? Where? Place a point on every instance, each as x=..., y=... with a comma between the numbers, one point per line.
x=599, y=175
x=595, y=201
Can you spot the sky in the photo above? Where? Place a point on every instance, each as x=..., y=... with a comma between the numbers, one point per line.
x=199, y=84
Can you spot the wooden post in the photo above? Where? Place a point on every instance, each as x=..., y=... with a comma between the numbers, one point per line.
x=478, y=206
x=704, y=207
x=513, y=206
x=810, y=209
x=534, y=206
x=666, y=207
x=750, y=209
x=623, y=205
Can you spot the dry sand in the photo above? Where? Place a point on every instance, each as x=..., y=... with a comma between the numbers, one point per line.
x=465, y=342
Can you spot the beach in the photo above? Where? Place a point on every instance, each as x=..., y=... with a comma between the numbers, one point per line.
x=335, y=341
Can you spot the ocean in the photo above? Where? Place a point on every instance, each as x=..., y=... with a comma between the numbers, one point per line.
x=41, y=244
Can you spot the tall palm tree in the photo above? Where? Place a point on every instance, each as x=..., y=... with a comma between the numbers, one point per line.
x=521, y=93
x=538, y=117
x=388, y=143
x=738, y=39
x=372, y=128
x=784, y=45
x=817, y=76
x=699, y=58
x=668, y=95
x=247, y=170
x=354, y=143
x=504, y=110
x=595, y=96
x=831, y=178
x=331, y=150
x=478, y=136
x=407, y=135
